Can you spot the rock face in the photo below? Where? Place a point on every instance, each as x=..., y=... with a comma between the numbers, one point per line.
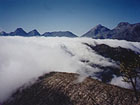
x=34, y=33
x=123, y=31
x=64, y=89
x=18, y=31
x=59, y=34
x=117, y=53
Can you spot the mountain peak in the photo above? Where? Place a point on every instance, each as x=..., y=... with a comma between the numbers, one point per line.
x=123, y=24
x=3, y=33
x=96, y=31
x=33, y=33
x=123, y=31
x=99, y=25
x=19, y=31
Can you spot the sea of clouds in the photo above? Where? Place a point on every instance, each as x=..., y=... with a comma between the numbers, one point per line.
x=24, y=59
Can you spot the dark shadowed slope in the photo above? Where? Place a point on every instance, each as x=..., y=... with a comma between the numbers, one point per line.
x=64, y=89
x=117, y=54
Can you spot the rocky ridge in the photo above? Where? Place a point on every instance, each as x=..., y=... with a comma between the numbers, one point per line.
x=64, y=89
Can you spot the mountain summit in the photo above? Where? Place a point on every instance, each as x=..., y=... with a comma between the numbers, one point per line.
x=123, y=25
x=34, y=33
x=3, y=33
x=123, y=31
x=19, y=31
x=96, y=32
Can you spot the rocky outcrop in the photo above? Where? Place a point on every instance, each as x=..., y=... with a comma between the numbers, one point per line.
x=65, y=89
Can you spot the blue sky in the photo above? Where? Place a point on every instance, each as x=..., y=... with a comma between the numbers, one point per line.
x=77, y=16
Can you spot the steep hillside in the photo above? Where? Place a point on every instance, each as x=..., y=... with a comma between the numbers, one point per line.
x=117, y=54
x=65, y=89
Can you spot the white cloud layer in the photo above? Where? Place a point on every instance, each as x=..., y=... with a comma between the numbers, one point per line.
x=23, y=59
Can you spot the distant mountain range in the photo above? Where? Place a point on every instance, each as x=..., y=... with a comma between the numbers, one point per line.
x=21, y=32
x=123, y=31
x=60, y=34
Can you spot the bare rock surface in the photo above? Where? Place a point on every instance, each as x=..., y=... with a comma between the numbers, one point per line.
x=64, y=89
